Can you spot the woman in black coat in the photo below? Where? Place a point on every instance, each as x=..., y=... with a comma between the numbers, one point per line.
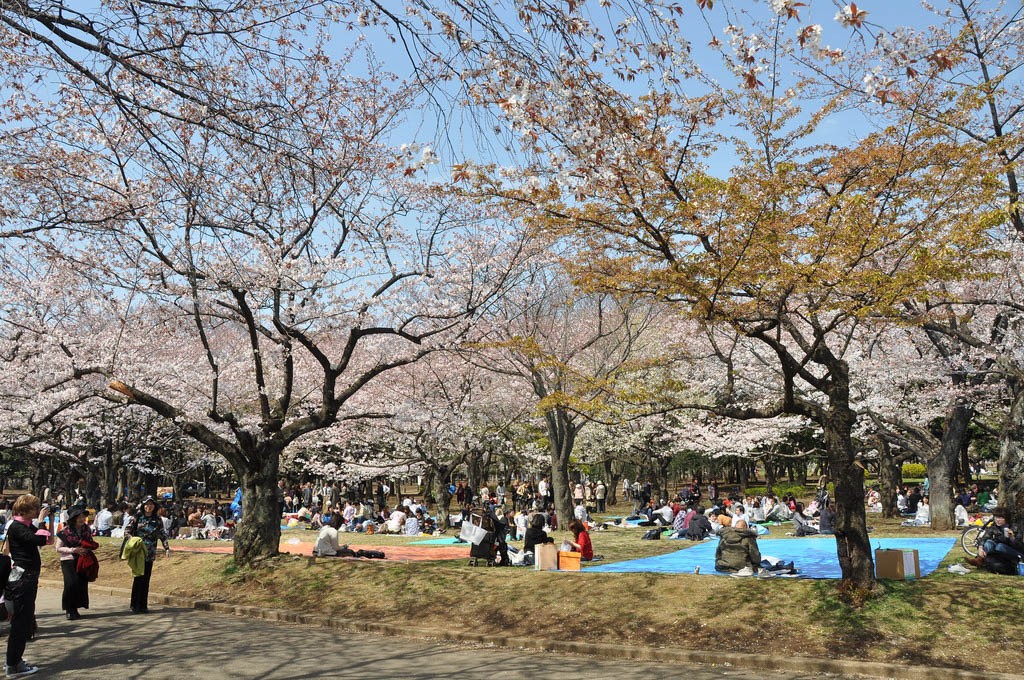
x=24, y=541
x=73, y=541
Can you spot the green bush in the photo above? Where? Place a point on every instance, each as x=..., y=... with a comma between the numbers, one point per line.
x=913, y=471
x=799, y=491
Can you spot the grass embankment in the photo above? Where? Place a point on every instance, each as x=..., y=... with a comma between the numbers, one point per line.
x=943, y=620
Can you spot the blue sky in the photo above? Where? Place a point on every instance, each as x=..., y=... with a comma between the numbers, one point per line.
x=473, y=139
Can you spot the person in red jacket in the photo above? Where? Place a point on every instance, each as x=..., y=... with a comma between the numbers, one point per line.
x=582, y=543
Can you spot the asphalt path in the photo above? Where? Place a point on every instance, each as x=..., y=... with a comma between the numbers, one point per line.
x=110, y=643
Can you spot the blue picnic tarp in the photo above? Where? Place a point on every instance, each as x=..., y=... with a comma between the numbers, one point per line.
x=814, y=557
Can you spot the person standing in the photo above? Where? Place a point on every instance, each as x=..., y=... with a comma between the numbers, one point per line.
x=600, y=493
x=71, y=542
x=147, y=526
x=24, y=541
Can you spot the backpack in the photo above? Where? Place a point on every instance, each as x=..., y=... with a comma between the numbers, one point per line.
x=1000, y=563
x=651, y=535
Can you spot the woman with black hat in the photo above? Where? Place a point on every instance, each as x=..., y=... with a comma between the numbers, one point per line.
x=149, y=527
x=72, y=542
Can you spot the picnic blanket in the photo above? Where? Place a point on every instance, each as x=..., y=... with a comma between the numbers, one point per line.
x=405, y=552
x=444, y=540
x=814, y=557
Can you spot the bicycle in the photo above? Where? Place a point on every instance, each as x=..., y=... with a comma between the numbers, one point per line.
x=973, y=537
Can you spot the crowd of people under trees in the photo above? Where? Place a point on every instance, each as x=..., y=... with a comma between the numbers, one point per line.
x=521, y=511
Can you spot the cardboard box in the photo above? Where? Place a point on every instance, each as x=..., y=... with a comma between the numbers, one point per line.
x=545, y=557
x=569, y=561
x=897, y=564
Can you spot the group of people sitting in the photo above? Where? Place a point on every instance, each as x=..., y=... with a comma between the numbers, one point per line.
x=696, y=523
x=409, y=518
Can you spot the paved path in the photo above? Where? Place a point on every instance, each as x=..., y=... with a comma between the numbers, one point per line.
x=111, y=644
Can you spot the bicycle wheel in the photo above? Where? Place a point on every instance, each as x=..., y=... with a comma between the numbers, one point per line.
x=971, y=540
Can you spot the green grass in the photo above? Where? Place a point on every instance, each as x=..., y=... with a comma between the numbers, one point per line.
x=942, y=620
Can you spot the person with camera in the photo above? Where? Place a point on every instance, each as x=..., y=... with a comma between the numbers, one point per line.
x=24, y=541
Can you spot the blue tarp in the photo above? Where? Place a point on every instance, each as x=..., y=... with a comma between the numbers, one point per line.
x=447, y=540
x=814, y=557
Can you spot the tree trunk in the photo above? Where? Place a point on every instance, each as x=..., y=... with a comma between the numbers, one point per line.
x=561, y=439
x=1011, y=458
x=769, y=476
x=965, y=461
x=801, y=473
x=611, y=482
x=852, y=543
x=890, y=476
x=442, y=479
x=940, y=466
x=92, y=488
x=259, y=531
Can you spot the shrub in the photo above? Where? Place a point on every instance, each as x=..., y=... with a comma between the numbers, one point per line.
x=913, y=471
x=799, y=491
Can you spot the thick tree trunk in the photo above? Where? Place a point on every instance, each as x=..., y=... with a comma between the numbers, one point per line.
x=92, y=488
x=612, y=481
x=442, y=479
x=475, y=471
x=561, y=439
x=1011, y=458
x=769, y=476
x=852, y=543
x=941, y=466
x=259, y=532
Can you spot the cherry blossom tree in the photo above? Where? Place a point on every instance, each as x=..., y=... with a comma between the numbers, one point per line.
x=250, y=290
x=960, y=71
x=795, y=249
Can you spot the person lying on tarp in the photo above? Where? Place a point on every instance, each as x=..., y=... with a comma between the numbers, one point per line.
x=737, y=550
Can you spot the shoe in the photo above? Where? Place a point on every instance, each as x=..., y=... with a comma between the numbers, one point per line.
x=745, y=571
x=73, y=615
x=764, y=573
x=958, y=569
x=19, y=670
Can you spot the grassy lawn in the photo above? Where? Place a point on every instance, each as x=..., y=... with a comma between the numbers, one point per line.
x=945, y=619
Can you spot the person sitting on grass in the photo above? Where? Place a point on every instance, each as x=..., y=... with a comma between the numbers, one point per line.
x=999, y=539
x=581, y=540
x=412, y=524
x=802, y=523
x=699, y=527
x=327, y=540
x=756, y=511
x=739, y=513
x=535, y=534
x=737, y=550
x=827, y=519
